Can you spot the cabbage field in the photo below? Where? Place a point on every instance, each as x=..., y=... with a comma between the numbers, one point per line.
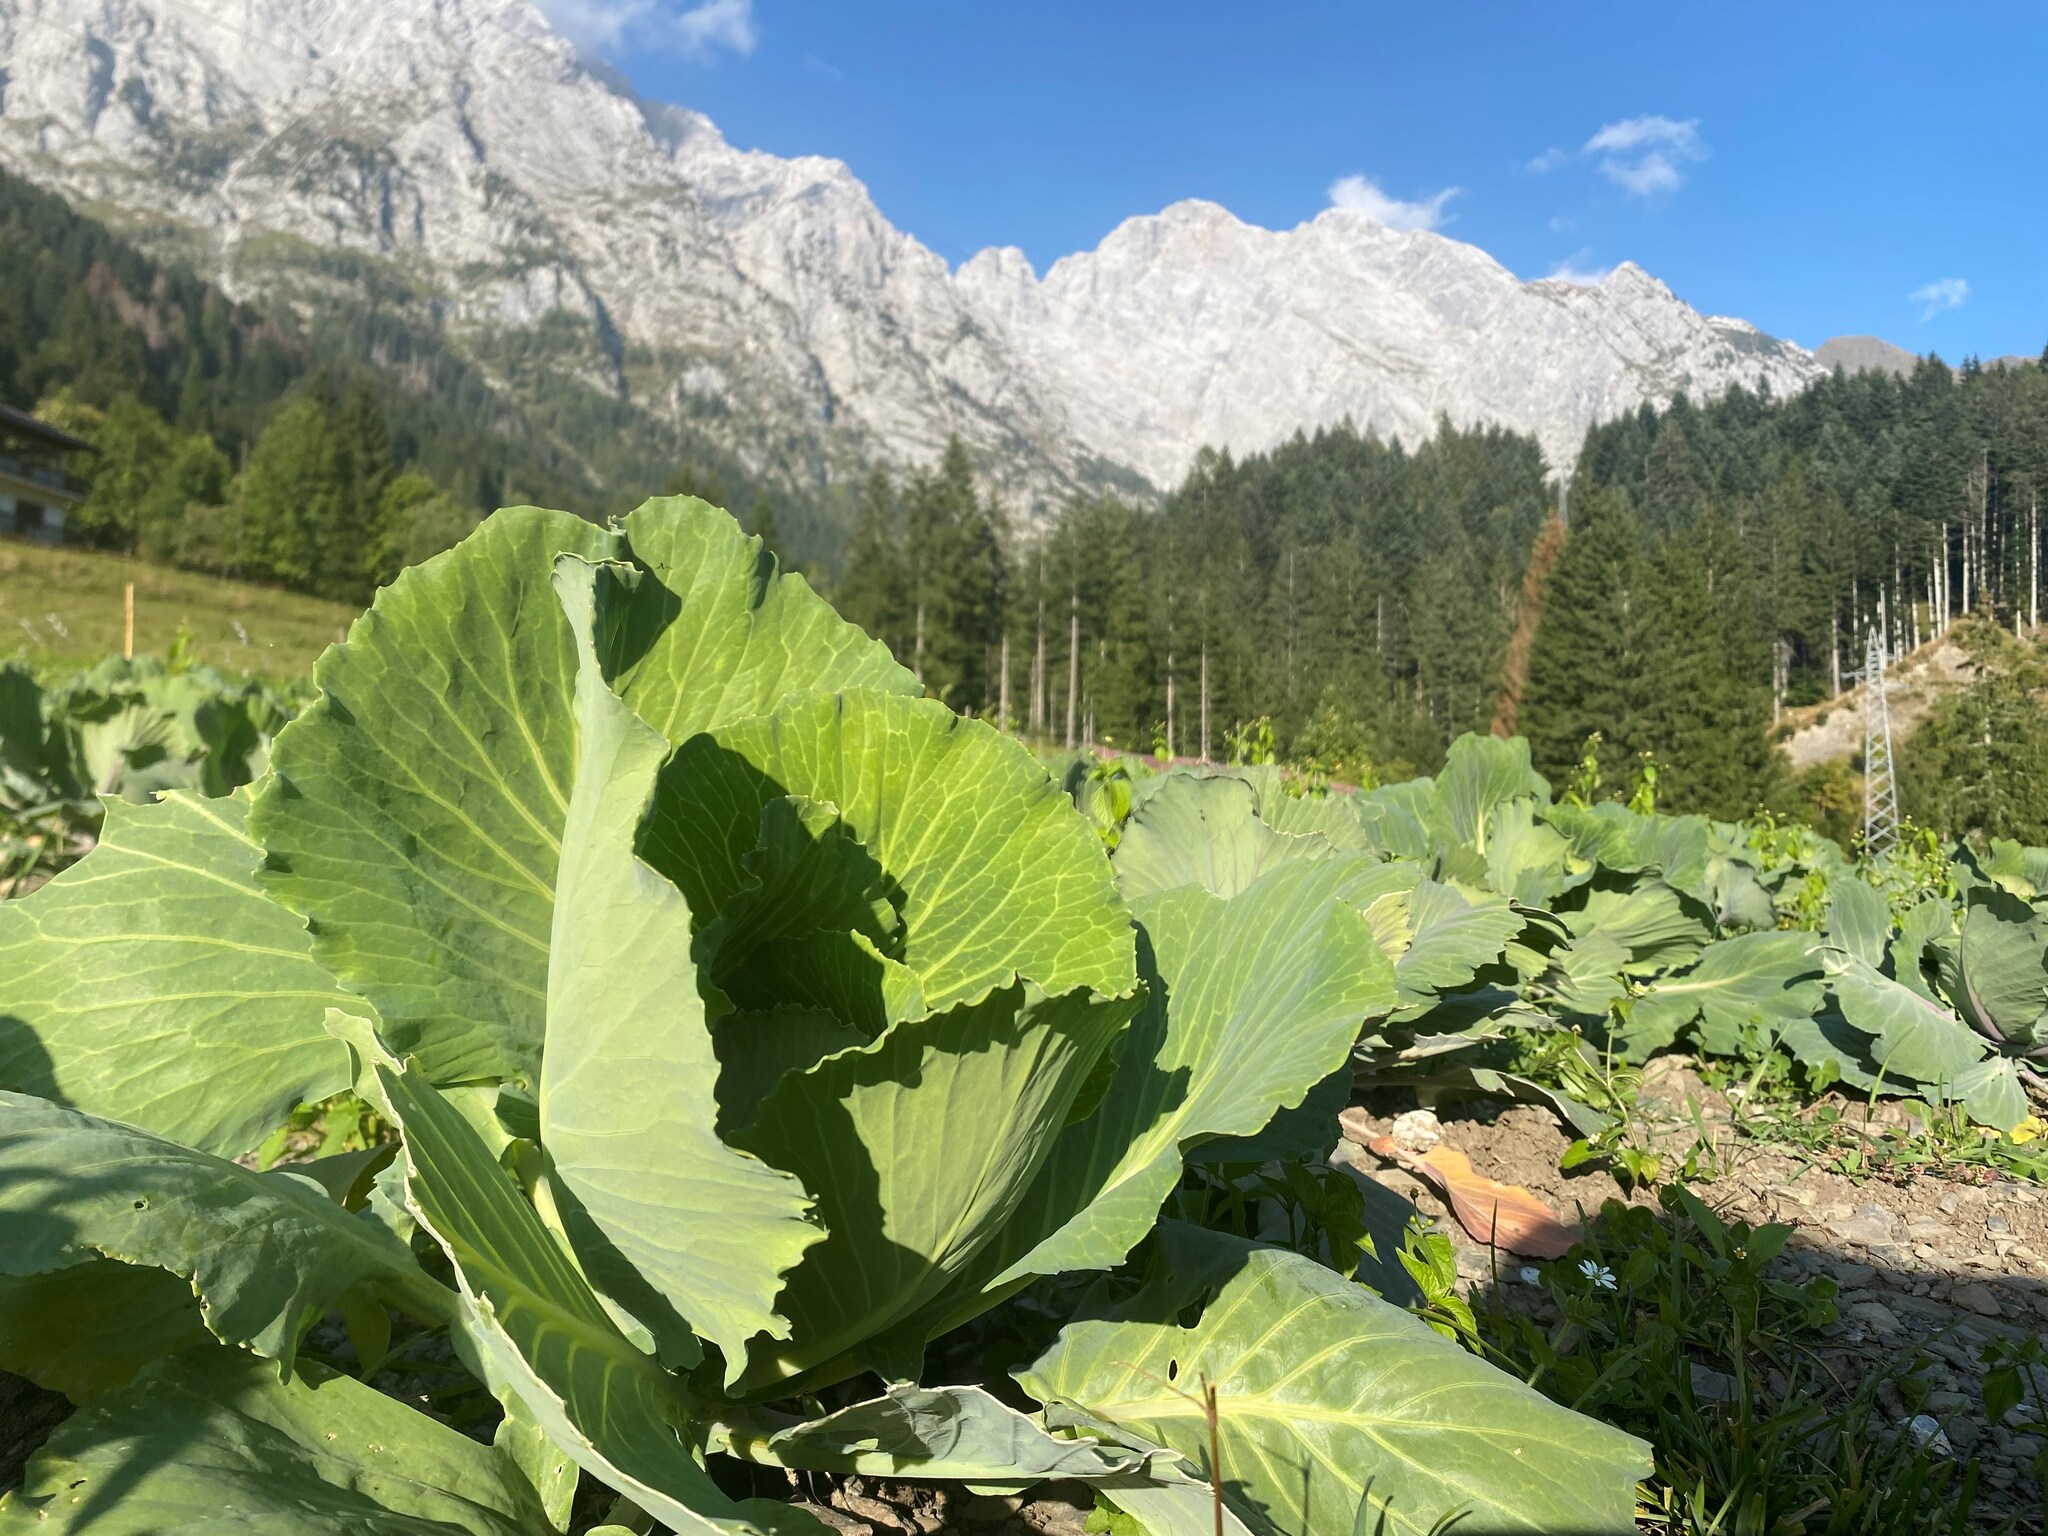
x=729, y=1069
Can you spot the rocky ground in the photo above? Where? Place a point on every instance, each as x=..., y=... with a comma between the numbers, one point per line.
x=1833, y=728
x=1942, y=1264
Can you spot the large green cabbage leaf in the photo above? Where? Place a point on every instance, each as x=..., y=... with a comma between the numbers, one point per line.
x=531, y=1326
x=1332, y=1404
x=628, y=1100
x=266, y=1253
x=154, y=982
x=1251, y=1002
x=415, y=813
x=211, y=1443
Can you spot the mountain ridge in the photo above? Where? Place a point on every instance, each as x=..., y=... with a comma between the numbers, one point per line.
x=463, y=162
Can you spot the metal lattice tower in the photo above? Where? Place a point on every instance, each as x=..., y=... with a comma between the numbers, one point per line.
x=1880, y=789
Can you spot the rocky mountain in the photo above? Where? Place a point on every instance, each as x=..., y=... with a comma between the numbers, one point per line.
x=1864, y=354
x=457, y=160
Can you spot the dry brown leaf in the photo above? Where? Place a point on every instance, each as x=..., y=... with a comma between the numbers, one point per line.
x=1505, y=1215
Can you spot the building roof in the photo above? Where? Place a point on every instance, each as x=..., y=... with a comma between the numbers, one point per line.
x=21, y=424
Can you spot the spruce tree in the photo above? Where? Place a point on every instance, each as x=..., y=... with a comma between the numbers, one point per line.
x=1706, y=712
x=1675, y=481
x=1588, y=662
x=872, y=590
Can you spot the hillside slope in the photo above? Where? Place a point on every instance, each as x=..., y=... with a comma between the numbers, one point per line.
x=1832, y=730
x=66, y=605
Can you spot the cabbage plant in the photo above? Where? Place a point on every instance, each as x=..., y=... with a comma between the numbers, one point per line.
x=745, y=1022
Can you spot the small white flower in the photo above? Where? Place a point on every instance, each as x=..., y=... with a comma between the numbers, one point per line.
x=1599, y=1274
x=1529, y=1276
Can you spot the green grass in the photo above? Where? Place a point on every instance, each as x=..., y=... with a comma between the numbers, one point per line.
x=279, y=633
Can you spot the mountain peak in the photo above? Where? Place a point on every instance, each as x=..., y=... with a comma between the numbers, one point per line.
x=462, y=159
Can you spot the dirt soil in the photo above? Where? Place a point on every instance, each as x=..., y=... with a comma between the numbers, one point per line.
x=1833, y=728
x=1943, y=1264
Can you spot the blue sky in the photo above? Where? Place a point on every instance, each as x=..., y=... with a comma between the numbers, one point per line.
x=1817, y=169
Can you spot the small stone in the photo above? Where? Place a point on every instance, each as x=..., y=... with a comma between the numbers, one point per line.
x=1868, y=1224
x=1947, y=1205
x=1850, y=1275
x=2000, y=1477
x=1710, y=1386
x=1963, y=1434
x=874, y=1514
x=1874, y=1315
x=835, y=1519
x=1926, y=1432
x=1942, y=1404
x=1417, y=1131
x=1054, y=1517
x=2025, y=1448
x=1977, y=1297
x=1528, y=1276
x=1997, y=1225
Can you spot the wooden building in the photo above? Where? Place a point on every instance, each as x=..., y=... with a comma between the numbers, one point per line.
x=35, y=492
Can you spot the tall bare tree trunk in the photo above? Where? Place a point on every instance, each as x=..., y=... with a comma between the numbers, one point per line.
x=1834, y=653
x=1205, y=701
x=1073, y=668
x=917, y=648
x=1038, y=722
x=1169, y=703
x=1003, y=691
x=2034, y=565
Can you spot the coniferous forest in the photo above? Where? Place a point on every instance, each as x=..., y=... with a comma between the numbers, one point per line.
x=1709, y=568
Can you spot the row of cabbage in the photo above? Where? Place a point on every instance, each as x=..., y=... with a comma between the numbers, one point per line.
x=1911, y=974
x=122, y=730
x=750, y=1030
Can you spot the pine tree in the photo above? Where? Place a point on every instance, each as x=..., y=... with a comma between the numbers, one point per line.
x=955, y=568
x=1675, y=482
x=1706, y=699
x=1587, y=664
x=872, y=591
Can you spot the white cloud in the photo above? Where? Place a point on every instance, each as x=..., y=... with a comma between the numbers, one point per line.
x=1562, y=223
x=1577, y=269
x=1362, y=194
x=699, y=31
x=1645, y=177
x=1642, y=155
x=1642, y=132
x=1934, y=297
